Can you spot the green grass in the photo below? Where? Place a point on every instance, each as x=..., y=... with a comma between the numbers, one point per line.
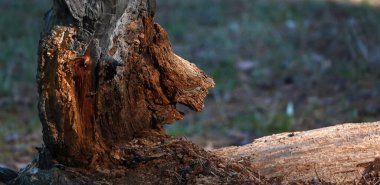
x=323, y=56
x=20, y=25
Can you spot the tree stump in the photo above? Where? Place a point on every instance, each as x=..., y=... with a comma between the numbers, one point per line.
x=106, y=71
x=108, y=81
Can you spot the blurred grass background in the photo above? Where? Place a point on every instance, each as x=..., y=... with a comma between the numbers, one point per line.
x=279, y=65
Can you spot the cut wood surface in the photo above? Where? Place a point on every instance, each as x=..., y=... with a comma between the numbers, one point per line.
x=339, y=154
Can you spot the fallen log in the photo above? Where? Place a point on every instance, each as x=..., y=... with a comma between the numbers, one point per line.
x=108, y=81
x=342, y=154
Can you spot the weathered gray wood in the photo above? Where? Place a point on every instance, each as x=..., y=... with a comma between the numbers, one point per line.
x=342, y=154
x=108, y=81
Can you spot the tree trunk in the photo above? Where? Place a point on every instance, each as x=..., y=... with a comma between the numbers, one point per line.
x=108, y=81
x=106, y=71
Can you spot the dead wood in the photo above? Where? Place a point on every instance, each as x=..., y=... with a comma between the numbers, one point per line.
x=342, y=154
x=107, y=71
x=108, y=81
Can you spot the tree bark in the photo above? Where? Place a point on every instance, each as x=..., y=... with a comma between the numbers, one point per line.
x=108, y=81
x=106, y=71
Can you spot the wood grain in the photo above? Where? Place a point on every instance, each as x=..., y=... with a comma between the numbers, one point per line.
x=337, y=154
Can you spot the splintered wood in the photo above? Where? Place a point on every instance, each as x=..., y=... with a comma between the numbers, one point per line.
x=102, y=79
x=108, y=81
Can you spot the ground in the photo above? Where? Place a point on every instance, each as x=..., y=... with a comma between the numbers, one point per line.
x=278, y=66
x=150, y=158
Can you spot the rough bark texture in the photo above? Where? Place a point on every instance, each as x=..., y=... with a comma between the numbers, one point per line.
x=108, y=81
x=150, y=158
x=107, y=71
x=343, y=154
